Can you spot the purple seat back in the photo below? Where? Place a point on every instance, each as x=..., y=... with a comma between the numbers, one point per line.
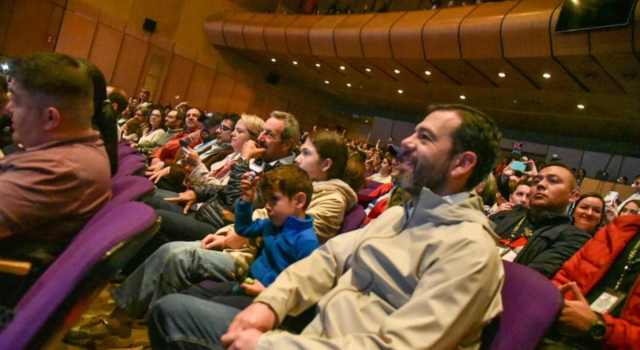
x=129, y=167
x=124, y=150
x=129, y=188
x=110, y=226
x=531, y=303
x=353, y=219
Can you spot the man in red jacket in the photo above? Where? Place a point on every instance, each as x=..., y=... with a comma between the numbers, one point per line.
x=601, y=283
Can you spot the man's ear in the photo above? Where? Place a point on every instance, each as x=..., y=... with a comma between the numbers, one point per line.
x=326, y=164
x=575, y=195
x=464, y=163
x=52, y=118
x=300, y=200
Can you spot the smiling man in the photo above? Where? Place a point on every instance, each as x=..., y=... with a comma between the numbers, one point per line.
x=426, y=276
x=542, y=236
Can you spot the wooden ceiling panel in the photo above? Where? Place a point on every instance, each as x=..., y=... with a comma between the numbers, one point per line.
x=406, y=40
x=253, y=32
x=572, y=51
x=375, y=35
x=274, y=33
x=232, y=29
x=298, y=34
x=614, y=50
x=213, y=29
x=347, y=35
x=321, y=36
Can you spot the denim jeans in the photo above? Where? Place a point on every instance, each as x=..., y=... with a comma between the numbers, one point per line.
x=180, y=321
x=173, y=267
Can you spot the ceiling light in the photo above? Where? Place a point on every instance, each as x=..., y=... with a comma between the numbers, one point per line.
x=400, y=91
x=427, y=72
x=580, y=106
x=463, y=97
x=4, y=67
x=546, y=75
x=318, y=65
x=397, y=71
x=343, y=67
x=348, y=84
x=368, y=70
x=502, y=75
x=273, y=59
x=295, y=63
x=327, y=82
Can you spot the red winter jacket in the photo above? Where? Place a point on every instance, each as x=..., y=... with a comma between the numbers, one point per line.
x=592, y=262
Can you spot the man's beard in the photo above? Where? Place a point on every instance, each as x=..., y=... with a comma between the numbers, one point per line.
x=423, y=175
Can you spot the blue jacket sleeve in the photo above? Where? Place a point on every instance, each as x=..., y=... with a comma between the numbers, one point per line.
x=244, y=225
x=305, y=245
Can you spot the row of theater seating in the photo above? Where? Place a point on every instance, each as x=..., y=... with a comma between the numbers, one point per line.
x=104, y=245
x=123, y=226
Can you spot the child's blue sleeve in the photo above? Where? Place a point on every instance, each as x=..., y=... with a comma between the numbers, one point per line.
x=305, y=245
x=244, y=225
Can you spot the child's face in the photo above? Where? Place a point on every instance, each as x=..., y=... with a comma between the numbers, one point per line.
x=279, y=207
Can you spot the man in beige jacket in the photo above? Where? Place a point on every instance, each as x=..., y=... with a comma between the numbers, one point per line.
x=426, y=276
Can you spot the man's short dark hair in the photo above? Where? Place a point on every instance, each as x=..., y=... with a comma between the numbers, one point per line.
x=574, y=182
x=477, y=133
x=118, y=98
x=61, y=79
x=288, y=180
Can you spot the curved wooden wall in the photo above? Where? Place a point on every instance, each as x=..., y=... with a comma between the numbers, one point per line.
x=468, y=46
x=506, y=55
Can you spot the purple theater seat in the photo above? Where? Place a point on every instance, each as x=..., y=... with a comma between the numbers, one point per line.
x=353, y=219
x=133, y=156
x=124, y=150
x=531, y=304
x=111, y=226
x=129, y=188
x=129, y=166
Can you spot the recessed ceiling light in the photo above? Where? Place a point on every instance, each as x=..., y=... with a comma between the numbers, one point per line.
x=348, y=84
x=546, y=75
x=397, y=71
x=463, y=97
x=327, y=82
x=318, y=65
x=502, y=74
x=400, y=91
x=580, y=106
x=368, y=70
x=427, y=72
x=273, y=59
x=343, y=67
x=295, y=63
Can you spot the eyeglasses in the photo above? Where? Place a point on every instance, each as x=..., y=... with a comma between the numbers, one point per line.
x=225, y=128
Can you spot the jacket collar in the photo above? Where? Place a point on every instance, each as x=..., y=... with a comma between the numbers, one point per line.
x=448, y=210
x=294, y=224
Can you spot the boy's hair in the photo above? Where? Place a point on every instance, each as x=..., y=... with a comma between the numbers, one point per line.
x=288, y=180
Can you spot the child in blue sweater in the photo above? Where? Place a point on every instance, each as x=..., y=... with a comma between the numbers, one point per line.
x=287, y=236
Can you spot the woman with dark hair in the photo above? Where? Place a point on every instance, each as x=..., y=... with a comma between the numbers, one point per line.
x=588, y=213
x=133, y=129
x=630, y=207
x=154, y=134
x=104, y=117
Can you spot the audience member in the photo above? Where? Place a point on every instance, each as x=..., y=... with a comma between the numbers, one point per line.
x=105, y=119
x=602, y=291
x=383, y=175
x=424, y=276
x=287, y=236
x=518, y=197
x=247, y=128
x=168, y=153
x=62, y=177
x=154, y=135
x=133, y=129
x=632, y=207
x=588, y=213
x=541, y=236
